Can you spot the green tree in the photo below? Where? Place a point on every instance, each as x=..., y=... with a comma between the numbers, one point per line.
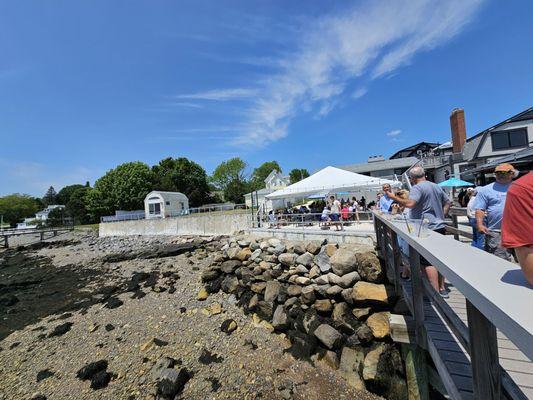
x=227, y=172
x=15, y=207
x=298, y=174
x=122, y=188
x=50, y=196
x=182, y=175
x=63, y=196
x=260, y=173
x=76, y=207
x=55, y=217
x=235, y=191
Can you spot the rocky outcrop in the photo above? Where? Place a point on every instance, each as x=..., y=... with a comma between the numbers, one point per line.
x=332, y=304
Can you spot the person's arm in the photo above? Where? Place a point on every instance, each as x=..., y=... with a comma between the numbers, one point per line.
x=480, y=206
x=446, y=203
x=446, y=208
x=409, y=203
x=480, y=216
x=525, y=258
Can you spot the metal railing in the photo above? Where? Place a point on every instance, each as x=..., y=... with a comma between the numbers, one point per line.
x=482, y=279
x=312, y=219
x=173, y=214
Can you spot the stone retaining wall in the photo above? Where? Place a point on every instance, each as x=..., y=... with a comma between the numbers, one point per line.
x=197, y=224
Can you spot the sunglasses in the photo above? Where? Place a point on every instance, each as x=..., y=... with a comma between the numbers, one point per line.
x=503, y=172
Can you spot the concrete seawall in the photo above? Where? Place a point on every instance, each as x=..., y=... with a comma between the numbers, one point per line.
x=198, y=224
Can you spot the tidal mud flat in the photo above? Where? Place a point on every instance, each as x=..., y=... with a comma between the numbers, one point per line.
x=127, y=318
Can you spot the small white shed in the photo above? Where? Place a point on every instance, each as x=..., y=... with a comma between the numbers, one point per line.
x=159, y=204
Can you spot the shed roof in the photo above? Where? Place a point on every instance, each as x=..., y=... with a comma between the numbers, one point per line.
x=167, y=196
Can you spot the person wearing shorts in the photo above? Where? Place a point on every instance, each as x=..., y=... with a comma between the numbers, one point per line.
x=427, y=201
x=335, y=213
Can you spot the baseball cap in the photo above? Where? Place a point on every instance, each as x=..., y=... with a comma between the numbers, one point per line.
x=505, y=167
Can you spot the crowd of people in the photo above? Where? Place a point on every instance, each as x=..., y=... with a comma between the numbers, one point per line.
x=332, y=211
x=500, y=213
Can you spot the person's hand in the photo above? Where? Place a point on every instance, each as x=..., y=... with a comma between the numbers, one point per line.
x=483, y=229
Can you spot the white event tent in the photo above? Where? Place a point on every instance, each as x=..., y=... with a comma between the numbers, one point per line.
x=330, y=180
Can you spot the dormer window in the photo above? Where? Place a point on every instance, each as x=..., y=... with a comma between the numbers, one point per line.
x=509, y=139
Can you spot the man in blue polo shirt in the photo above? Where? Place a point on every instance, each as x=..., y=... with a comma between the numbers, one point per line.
x=385, y=202
x=489, y=205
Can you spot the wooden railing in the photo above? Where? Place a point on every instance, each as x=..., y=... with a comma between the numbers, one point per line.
x=455, y=213
x=496, y=298
x=6, y=234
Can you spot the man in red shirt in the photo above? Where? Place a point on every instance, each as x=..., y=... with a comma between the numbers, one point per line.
x=517, y=223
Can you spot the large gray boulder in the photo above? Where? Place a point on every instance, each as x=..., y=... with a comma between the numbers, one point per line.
x=323, y=261
x=305, y=259
x=280, y=320
x=351, y=366
x=343, y=261
x=308, y=295
x=313, y=247
x=272, y=290
x=230, y=266
x=349, y=279
x=287, y=259
x=328, y=336
x=369, y=267
x=230, y=284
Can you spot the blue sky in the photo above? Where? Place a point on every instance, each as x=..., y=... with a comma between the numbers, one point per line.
x=87, y=85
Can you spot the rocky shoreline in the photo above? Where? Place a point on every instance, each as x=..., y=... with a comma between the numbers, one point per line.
x=332, y=304
x=120, y=318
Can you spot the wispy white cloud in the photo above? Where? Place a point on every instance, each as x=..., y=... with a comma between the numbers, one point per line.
x=372, y=40
x=394, y=133
x=220, y=94
x=359, y=93
x=186, y=104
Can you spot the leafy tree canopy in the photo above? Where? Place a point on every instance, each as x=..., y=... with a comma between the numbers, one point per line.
x=15, y=207
x=260, y=173
x=76, y=206
x=122, y=188
x=182, y=175
x=235, y=191
x=227, y=172
x=50, y=196
x=63, y=196
x=298, y=174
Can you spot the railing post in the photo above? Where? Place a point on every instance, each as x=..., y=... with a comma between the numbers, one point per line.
x=486, y=371
x=396, y=260
x=418, y=297
x=455, y=224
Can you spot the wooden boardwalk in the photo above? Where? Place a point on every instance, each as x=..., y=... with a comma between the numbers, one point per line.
x=480, y=339
x=7, y=233
x=512, y=360
x=518, y=367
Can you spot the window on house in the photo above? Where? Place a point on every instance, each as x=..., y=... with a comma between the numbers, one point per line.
x=509, y=139
x=167, y=203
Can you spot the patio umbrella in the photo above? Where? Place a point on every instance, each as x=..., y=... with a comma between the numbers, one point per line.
x=454, y=182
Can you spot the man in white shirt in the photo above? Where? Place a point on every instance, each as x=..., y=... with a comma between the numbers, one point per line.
x=335, y=213
x=478, y=238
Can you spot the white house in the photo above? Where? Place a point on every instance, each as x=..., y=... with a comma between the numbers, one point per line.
x=159, y=204
x=43, y=215
x=274, y=181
